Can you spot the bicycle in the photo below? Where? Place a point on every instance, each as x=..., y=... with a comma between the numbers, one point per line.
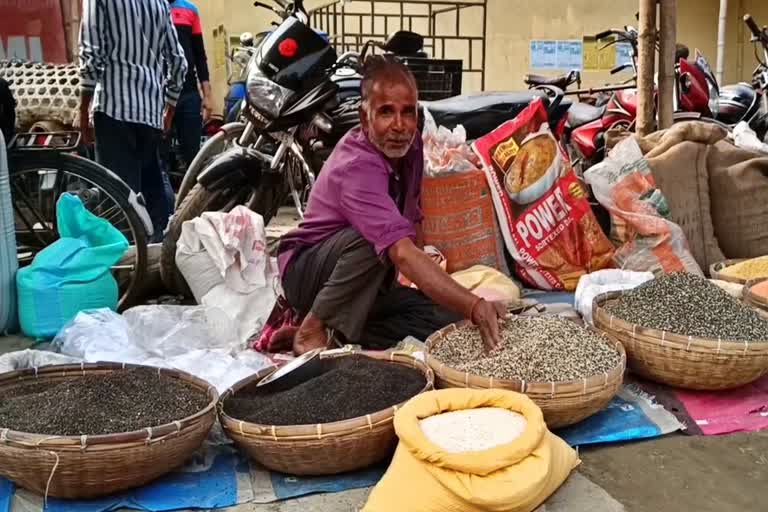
x=42, y=166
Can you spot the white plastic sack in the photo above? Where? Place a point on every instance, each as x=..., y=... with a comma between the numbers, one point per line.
x=446, y=151
x=746, y=138
x=199, y=340
x=604, y=281
x=23, y=359
x=223, y=257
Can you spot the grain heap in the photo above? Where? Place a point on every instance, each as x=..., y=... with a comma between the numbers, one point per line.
x=117, y=402
x=746, y=270
x=533, y=349
x=348, y=387
x=473, y=430
x=689, y=305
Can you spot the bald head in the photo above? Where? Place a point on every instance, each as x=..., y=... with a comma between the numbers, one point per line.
x=381, y=69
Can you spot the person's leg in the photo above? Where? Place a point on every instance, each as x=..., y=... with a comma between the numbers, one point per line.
x=117, y=149
x=335, y=284
x=401, y=312
x=188, y=124
x=154, y=186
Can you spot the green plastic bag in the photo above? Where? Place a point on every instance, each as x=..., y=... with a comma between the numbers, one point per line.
x=72, y=274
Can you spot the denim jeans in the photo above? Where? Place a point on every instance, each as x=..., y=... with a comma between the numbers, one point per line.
x=188, y=124
x=131, y=151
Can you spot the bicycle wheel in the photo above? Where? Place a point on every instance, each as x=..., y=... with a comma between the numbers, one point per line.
x=38, y=178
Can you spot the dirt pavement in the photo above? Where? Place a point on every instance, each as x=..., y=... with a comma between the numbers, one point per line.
x=683, y=473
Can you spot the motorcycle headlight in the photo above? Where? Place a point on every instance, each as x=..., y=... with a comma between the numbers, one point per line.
x=714, y=100
x=264, y=94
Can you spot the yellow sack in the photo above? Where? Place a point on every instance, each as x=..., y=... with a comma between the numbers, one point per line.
x=514, y=477
x=488, y=283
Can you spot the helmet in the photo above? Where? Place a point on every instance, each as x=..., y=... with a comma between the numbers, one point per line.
x=737, y=103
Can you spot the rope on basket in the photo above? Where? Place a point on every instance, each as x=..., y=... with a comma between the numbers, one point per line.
x=274, y=432
x=490, y=383
x=663, y=337
x=83, y=442
x=370, y=422
x=634, y=331
x=584, y=391
x=240, y=426
x=522, y=389
x=53, y=471
x=552, y=395
x=4, y=435
x=35, y=371
x=319, y=431
x=690, y=340
x=82, y=367
x=719, y=341
x=746, y=346
x=149, y=435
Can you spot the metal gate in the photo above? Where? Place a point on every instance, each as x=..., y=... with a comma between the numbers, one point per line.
x=451, y=29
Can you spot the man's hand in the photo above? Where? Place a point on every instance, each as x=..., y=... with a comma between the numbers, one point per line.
x=168, y=118
x=207, y=108
x=487, y=316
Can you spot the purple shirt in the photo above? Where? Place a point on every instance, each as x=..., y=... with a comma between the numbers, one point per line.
x=358, y=188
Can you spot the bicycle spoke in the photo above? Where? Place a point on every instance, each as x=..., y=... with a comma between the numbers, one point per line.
x=26, y=200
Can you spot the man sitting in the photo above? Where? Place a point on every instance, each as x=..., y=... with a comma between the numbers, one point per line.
x=363, y=223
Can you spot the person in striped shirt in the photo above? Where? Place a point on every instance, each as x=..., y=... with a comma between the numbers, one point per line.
x=125, y=46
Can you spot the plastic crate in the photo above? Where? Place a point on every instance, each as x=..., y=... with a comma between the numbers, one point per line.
x=437, y=78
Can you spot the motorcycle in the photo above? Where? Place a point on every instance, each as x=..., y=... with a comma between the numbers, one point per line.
x=301, y=99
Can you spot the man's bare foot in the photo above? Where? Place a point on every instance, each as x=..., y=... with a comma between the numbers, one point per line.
x=311, y=335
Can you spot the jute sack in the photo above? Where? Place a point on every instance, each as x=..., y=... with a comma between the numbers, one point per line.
x=738, y=181
x=514, y=477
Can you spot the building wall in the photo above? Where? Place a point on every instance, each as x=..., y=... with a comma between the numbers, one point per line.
x=511, y=25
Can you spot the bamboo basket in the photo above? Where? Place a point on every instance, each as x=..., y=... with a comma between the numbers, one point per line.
x=716, y=268
x=563, y=403
x=683, y=361
x=91, y=466
x=322, y=449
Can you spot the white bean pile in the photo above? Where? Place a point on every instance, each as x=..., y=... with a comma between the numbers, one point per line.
x=473, y=430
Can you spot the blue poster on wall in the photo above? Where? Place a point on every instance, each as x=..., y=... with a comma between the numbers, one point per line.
x=623, y=54
x=570, y=55
x=543, y=54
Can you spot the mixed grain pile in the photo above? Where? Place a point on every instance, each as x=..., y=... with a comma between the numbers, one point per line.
x=473, y=430
x=533, y=349
x=690, y=305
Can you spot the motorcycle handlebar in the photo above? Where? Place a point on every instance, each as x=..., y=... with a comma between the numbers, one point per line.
x=604, y=34
x=759, y=35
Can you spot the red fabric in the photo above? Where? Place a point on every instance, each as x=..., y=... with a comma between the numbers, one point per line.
x=184, y=13
x=282, y=316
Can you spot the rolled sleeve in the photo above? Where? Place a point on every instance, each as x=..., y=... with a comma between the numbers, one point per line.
x=364, y=199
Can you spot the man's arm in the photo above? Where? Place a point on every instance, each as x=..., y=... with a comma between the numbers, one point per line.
x=441, y=288
x=201, y=64
x=175, y=60
x=93, y=53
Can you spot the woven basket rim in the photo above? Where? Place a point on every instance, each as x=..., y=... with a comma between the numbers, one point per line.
x=321, y=430
x=146, y=435
x=552, y=387
x=708, y=344
x=716, y=268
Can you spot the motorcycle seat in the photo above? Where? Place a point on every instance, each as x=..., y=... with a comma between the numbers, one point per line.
x=483, y=112
x=560, y=81
x=581, y=113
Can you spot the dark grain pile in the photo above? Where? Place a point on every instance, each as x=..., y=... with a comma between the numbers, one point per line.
x=690, y=305
x=122, y=401
x=349, y=387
